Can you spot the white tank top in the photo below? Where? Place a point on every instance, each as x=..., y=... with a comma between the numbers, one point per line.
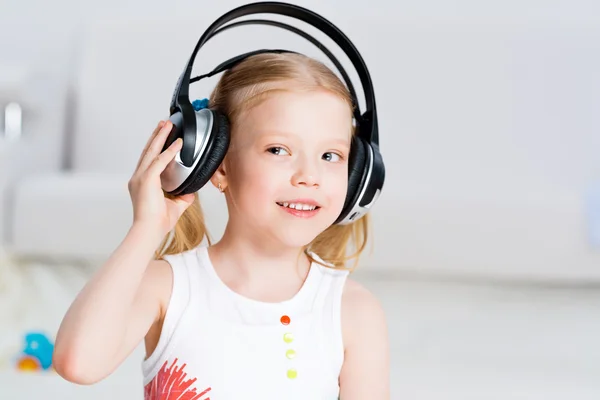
x=217, y=344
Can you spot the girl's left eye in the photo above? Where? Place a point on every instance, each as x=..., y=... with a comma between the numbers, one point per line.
x=331, y=157
x=277, y=150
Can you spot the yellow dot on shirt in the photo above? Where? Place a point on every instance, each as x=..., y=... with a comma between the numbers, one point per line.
x=290, y=354
x=288, y=338
x=292, y=373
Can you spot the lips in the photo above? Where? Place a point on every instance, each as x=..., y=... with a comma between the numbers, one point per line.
x=300, y=206
x=303, y=208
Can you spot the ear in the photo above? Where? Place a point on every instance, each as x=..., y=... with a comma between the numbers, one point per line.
x=220, y=176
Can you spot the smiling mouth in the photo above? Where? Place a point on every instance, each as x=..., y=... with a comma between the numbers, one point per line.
x=298, y=206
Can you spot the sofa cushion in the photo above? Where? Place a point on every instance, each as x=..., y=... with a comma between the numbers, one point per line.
x=78, y=215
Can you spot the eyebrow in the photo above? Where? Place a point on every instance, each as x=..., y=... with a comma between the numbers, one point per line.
x=343, y=142
x=276, y=134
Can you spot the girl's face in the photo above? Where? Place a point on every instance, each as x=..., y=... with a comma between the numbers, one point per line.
x=286, y=171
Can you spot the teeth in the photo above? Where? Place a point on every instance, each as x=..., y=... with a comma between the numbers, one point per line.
x=298, y=206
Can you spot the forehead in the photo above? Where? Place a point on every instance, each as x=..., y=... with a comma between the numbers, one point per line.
x=314, y=115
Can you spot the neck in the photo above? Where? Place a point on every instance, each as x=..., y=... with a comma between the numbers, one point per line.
x=257, y=259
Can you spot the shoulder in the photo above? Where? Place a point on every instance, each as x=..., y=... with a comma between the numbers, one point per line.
x=366, y=368
x=363, y=316
x=170, y=275
x=166, y=274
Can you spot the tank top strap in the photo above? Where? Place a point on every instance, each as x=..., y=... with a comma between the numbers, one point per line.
x=330, y=288
x=327, y=310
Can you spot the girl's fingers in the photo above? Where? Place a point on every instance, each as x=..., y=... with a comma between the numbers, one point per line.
x=161, y=161
x=156, y=145
x=150, y=139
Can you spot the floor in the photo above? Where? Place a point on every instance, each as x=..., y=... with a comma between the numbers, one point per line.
x=449, y=342
x=452, y=342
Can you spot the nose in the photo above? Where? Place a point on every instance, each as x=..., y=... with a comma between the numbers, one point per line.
x=306, y=174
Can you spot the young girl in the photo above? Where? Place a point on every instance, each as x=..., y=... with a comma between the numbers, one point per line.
x=267, y=312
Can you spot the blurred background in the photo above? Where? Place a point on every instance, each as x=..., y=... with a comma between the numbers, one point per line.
x=486, y=239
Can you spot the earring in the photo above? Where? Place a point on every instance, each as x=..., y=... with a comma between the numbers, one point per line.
x=220, y=188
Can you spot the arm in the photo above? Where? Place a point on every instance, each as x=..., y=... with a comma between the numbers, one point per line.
x=366, y=370
x=113, y=312
x=126, y=297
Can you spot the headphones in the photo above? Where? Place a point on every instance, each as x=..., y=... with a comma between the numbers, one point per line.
x=205, y=132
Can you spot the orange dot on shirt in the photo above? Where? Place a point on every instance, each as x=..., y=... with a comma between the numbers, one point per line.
x=285, y=320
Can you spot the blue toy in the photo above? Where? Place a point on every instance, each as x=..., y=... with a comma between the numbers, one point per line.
x=37, y=353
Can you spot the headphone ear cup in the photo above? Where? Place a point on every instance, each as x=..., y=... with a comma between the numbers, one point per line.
x=356, y=175
x=213, y=155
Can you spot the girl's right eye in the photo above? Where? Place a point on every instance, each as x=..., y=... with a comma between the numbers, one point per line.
x=277, y=150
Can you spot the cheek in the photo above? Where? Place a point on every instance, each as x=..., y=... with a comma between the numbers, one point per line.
x=337, y=186
x=258, y=181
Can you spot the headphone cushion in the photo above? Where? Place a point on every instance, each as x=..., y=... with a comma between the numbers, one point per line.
x=356, y=172
x=213, y=155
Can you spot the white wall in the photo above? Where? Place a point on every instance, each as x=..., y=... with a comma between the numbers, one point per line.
x=489, y=121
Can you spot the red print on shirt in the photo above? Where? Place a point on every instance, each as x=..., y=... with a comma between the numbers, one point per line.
x=170, y=384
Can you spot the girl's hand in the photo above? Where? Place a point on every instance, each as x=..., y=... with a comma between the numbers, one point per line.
x=150, y=206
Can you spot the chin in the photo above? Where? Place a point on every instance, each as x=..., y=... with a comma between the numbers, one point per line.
x=296, y=239
x=299, y=233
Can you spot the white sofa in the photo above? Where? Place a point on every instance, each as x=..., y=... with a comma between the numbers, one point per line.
x=450, y=206
x=40, y=147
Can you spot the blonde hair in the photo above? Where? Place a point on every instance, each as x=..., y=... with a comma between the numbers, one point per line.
x=242, y=88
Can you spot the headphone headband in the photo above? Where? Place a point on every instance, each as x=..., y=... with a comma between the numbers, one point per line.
x=234, y=60
x=367, y=121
